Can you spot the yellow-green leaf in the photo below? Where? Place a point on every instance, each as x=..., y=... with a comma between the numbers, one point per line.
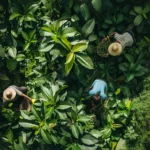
x=69, y=65
x=118, y=91
x=69, y=57
x=79, y=47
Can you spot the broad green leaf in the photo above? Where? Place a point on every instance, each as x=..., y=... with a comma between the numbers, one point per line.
x=92, y=37
x=49, y=112
x=25, y=114
x=85, y=60
x=63, y=107
x=144, y=15
x=62, y=115
x=106, y=133
x=9, y=135
x=45, y=136
x=21, y=19
x=138, y=19
x=74, y=131
x=130, y=77
x=54, y=138
x=130, y=58
x=32, y=34
x=123, y=66
x=20, y=57
x=89, y=139
x=14, y=15
x=69, y=57
x=138, y=9
x=45, y=33
x=96, y=133
x=79, y=47
x=54, y=88
x=28, y=125
x=26, y=46
x=65, y=43
x=35, y=113
x=69, y=32
x=47, y=29
x=46, y=91
x=12, y=51
x=146, y=9
x=3, y=77
x=80, y=128
x=88, y=27
x=97, y=4
x=121, y=145
x=118, y=91
x=14, y=33
x=85, y=11
x=83, y=118
x=132, y=12
x=69, y=65
x=47, y=48
x=25, y=35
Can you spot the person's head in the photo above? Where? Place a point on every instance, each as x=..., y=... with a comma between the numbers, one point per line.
x=115, y=49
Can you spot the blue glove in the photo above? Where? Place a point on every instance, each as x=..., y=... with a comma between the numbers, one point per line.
x=99, y=86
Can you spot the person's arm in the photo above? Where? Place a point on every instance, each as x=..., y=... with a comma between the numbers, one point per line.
x=108, y=37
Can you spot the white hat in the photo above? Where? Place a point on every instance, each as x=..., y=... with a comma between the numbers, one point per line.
x=9, y=94
x=115, y=49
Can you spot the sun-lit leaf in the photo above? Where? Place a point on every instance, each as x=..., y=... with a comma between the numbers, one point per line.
x=79, y=47
x=69, y=57
x=69, y=65
x=12, y=51
x=69, y=32
x=89, y=139
x=20, y=57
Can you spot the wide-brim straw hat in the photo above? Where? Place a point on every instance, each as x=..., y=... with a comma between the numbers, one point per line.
x=115, y=49
x=9, y=94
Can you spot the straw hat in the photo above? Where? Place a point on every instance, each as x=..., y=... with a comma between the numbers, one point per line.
x=9, y=94
x=115, y=49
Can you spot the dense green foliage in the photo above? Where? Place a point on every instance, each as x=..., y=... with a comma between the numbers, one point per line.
x=50, y=47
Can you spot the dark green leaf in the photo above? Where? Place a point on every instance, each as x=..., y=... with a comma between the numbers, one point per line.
x=138, y=19
x=88, y=27
x=138, y=9
x=85, y=60
x=74, y=131
x=97, y=4
x=45, y=136
x=85, y=11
